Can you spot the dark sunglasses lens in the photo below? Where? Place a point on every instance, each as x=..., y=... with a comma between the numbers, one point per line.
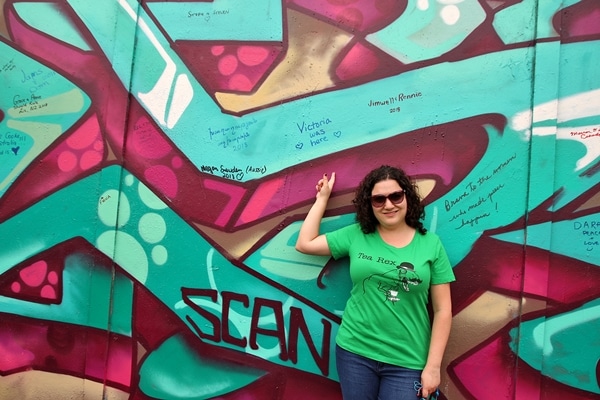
x=396, y=197
x=378, y=201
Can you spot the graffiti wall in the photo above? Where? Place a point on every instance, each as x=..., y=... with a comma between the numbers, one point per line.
x=158, y=157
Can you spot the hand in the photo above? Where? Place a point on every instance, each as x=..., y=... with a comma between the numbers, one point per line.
x=325, y=186
x=430, y=380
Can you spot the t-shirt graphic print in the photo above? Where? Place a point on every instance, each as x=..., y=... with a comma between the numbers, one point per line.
x=391, y=282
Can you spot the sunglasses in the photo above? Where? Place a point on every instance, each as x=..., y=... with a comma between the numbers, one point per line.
x=379, y=200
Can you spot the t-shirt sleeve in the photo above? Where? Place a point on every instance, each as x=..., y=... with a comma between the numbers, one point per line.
x=339, y=240
x=441, y=271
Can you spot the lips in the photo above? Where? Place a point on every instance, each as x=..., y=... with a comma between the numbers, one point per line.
x=389, y=213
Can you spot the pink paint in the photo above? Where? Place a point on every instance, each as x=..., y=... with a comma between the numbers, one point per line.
x=53, y=277
x=176, y=162
x=217, y=50
x=164, y=179
x=252, y=55
x=85, y=135
x=35, y=274
x=227, y=65
x=235, y=194
x=260, y=199
x=241, y=83
x=147, y=142
x=360, y=61
x=48, y=292
x=90, y=159
x=360, y=15
x=66, y=161
x=15, y=287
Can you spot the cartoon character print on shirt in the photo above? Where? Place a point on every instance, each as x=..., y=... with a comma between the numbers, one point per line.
x=405, y=277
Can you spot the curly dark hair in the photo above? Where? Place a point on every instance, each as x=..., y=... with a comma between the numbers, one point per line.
x=415, y=211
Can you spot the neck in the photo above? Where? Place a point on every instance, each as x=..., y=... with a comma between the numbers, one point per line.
x=398, y=236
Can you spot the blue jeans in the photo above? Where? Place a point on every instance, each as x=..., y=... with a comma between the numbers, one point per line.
x=365, y=379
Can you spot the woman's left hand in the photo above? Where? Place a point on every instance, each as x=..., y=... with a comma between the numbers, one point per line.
x=430, y=380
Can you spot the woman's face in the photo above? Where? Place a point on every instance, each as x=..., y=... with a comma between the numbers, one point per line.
x=388, y=214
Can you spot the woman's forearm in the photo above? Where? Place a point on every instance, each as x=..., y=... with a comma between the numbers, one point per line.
x=309, y=240
x=440, y=332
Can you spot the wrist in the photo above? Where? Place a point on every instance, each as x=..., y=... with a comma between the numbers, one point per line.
x=322, y=199
x=432, y=367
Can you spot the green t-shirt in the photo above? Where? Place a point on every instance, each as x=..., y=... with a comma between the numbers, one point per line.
x=386, y=316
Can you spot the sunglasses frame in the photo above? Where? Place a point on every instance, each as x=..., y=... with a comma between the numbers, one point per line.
x=378, y=203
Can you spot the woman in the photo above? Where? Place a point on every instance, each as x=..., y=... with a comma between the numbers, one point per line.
x=386, y=347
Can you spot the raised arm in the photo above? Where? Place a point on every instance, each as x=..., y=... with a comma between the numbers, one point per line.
x=309, y=240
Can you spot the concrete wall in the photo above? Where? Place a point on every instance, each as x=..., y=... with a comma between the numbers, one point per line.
x=157, y=158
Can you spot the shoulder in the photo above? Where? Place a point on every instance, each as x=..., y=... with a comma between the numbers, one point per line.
x=346, y=235
x=430, y=241
x=341, y=240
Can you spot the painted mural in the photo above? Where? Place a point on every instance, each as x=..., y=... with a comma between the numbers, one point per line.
x=158, y=157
